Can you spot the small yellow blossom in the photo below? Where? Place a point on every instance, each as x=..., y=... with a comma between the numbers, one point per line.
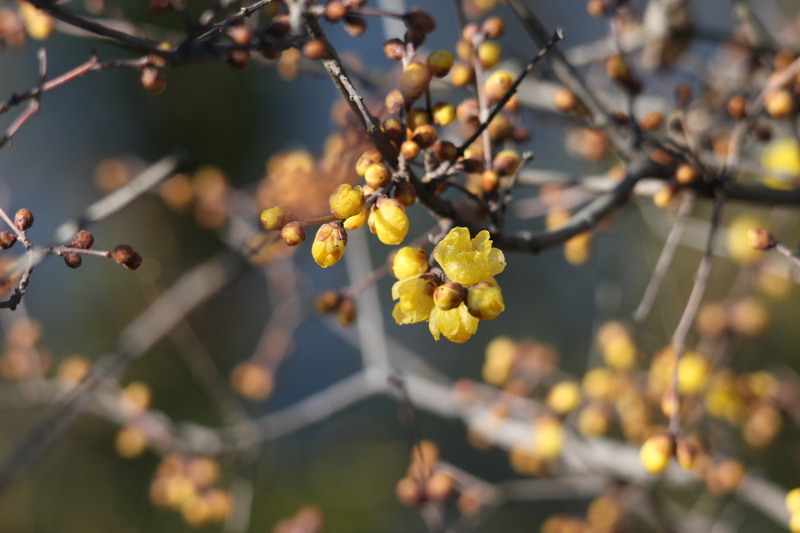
x=346, y=201
x=357, y=220
x=416, y=299
x=409, y=261
x=456, y=324
x=388, y=220
x=468, y=261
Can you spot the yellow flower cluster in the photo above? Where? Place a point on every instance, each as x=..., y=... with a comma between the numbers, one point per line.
x=471, y=294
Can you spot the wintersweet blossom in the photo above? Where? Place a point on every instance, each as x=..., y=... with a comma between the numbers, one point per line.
x=456, y=324
x=468, y=261
x=416, y=299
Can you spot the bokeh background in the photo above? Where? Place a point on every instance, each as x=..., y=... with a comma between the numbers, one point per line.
x=348, y=464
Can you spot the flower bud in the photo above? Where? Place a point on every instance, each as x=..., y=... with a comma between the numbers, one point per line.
x=126, y=256
x=274, y=218
x=415, y=79
x=506, y=162
x=366, y=159
x=83, y=240
x=347, y=312
x=72, y=260
x=409, y=261
x=7, y=239
x=449, y=295
x=440, y=63
x=388, y=220
x=329, y=245
x=23, y=219
x=485, y=300
x=328, y=301
x=377, y=175
x=489, y=53
x=443, y=113
x=409, y=150
x=760, y=239
x=153, y=80
x=405, y=194
x=293, y=233
x=656, y=452
x=394, y=49
x=346, y=201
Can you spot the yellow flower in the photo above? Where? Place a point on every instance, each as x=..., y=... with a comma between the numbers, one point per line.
x=456, y=324
x=416, y=299
x=389, y=221
x=346, y=201
x=409, y=262
x=329, y=245
x=468, y=261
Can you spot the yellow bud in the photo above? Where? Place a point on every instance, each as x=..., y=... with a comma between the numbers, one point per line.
x=346, y=201
x=388, y=220
x=440, y=63
x=793, y=501
x=449, y=295
x=693, y=370
x=329, y=245
x=781, y=158
x=444, y=113
x=738, y=241
x=497, y=85
x=564, y=397
x=274, y=218
x=485, y=300
x=409, y=262
x=489, y=53
x=548, y=438
x=656, y=452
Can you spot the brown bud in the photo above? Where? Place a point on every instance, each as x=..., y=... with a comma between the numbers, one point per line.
x=83, y=240
x=419, y=20
x=404, y=193
x=239, y=59
x=737, y=106
x=493, y=27
x=153, y=80
x=241, y=35
x=279, y=27
x=445, y=150
x=394, y=49
x=72, y=260
x=23, y=219
x=293, y=233
x=409, y=491
x=409, y=150
x=651, y=121
x=314, y=49
x=347, y=312
x=7, y=239
x=355, y=26
x=126, y=256
x=335, y=11
x=328, y=301
x=760, y=239
x=685, y=174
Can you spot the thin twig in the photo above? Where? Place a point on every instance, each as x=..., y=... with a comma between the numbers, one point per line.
x=665, y=258
x=692, y=305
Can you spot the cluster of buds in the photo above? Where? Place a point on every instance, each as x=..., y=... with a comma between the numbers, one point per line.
x=424, y=482
x=351, y=208
x=189, y=486
x=335, y=302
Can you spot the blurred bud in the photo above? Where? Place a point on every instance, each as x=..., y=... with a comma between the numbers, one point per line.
x=23, y=219
x=293, y=233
